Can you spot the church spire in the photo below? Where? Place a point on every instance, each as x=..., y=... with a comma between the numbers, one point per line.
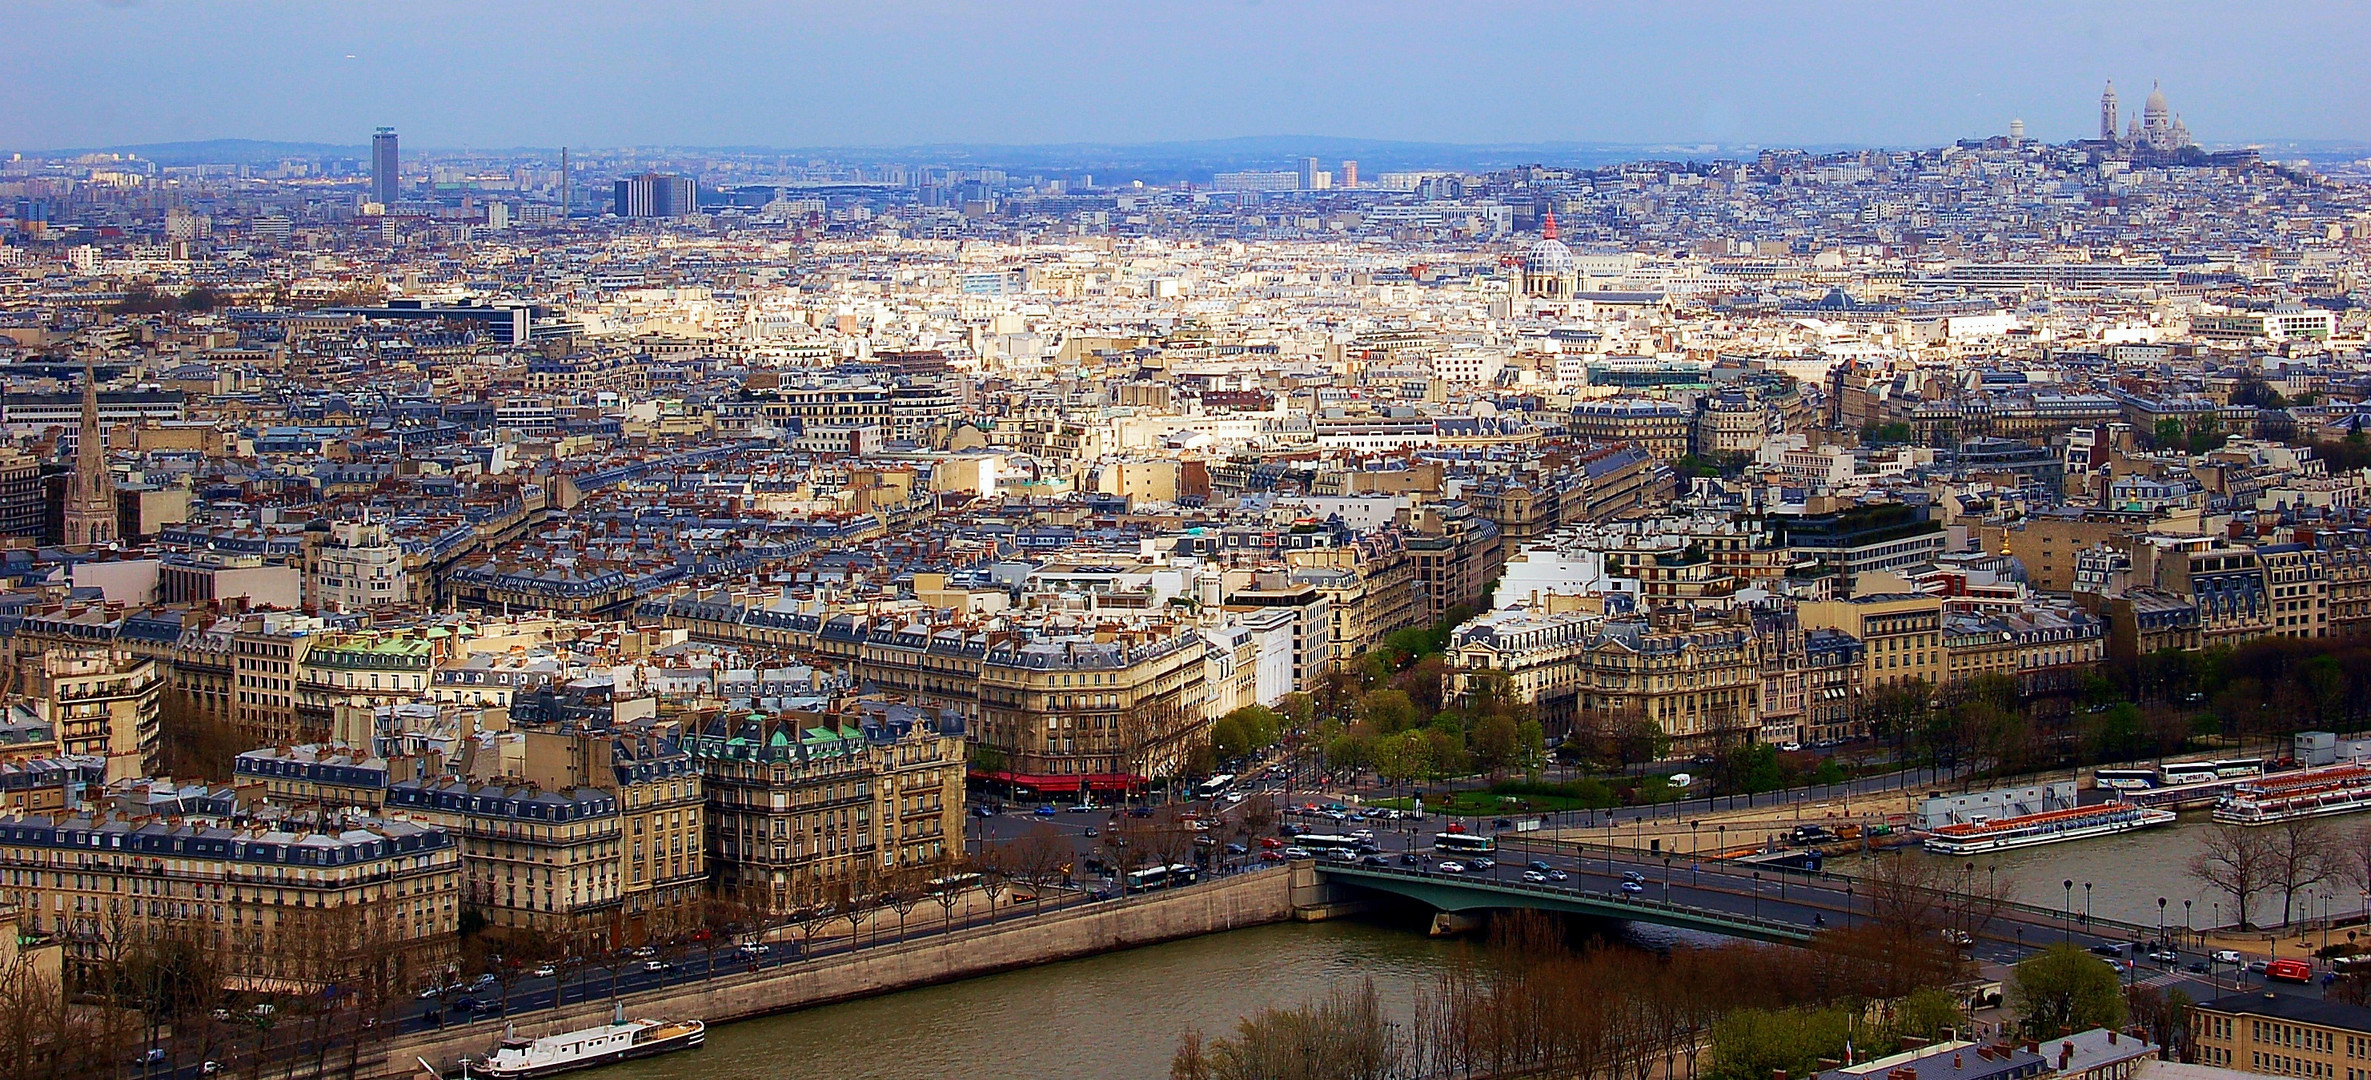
x=90, y=491
x=1548, y=230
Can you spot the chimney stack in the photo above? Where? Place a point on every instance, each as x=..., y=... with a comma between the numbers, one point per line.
x=2066, y=1054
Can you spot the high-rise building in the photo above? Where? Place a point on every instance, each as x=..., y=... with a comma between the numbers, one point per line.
x=656, y=195
x=383, y=162
x=1350, y=174
x=2107, y=112
x=90, y=491
x=1313, y=178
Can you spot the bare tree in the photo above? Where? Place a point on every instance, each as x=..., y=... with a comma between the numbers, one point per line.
x=2239, y=861
x=2301, y=859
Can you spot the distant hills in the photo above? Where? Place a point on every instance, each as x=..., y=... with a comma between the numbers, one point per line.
x=1152, y=161
x=220, y=151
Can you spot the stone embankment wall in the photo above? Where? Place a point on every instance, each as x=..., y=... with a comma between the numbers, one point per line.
x=1232, y=903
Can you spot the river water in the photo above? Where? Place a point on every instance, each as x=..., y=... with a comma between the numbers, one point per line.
x=1116, y=1016
x=1119, y=1016
x=2126, y=875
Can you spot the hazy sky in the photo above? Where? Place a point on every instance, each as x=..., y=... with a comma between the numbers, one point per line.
x=722, y=72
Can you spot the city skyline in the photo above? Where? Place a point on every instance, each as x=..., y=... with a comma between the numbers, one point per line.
x=829, y=76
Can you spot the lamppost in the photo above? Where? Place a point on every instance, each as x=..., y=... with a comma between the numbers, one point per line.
x=1757, y=894
x=2068, y=922
x=2160, y=919
x=1667, y=880
x=1849, y=909
x=1694, y=838
x=2020, y=941
x=2189, y=928
x=2086, y=905
x=1721, y=837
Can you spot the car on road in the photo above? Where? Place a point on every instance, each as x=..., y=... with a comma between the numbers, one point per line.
x=1633, y=877
x=1376, y=861
x=2116, y=951
x=1296, y=852
x=1271, y=843
x=657, y=966
x=2117, y=966
x=1633, y=888
x=1272, y=856
x=485, y=981
x=1092, y=831
x=1540, y=865
x=1045, y=811
x=642, y=952
x=155, y=1056
x=2198, y=967
x=1450, y=866
x=2288, y=969
x=2224, y=956
x=1959, y=938
x=546, y=971
x=1557, y=875
x=1790, y=747
x=1234, y=848
x=1535, y=877
x=1407, y=858
x=2257, y=967
x=2163, y=955
x=1482, y=862
x=753, y=948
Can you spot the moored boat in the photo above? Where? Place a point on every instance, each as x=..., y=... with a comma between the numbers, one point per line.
x=2047, y=827
x=619, y=1040
x=2338, y=789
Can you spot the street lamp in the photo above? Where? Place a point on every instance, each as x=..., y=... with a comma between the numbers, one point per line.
x=1849, y=909
x=1694, y=840
x=2160, y=919
x=1757, y=894
x=2189, y=927
x=2068, y=922
x=2086, y=905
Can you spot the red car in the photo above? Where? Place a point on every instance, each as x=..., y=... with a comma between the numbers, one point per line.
x=2288, y=970
x=1271, y=843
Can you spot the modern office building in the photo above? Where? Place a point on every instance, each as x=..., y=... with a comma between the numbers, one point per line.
x=656, y=195
x=383, y=172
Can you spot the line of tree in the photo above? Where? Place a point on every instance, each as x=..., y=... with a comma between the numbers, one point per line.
x=1535, y=1006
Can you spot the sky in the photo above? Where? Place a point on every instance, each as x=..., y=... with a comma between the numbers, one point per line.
x=617, y=73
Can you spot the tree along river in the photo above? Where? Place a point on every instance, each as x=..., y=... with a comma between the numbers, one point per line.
x=2126, y=874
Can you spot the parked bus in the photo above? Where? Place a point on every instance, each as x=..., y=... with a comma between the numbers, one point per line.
x=2239, y=768
x=1160, y=877
x=2177, y=773
x=952, y=883
x=1215, y=786
x=2125, y=779
x=1464, y=844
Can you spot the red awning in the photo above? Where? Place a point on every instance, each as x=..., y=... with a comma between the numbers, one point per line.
x=1052, y=782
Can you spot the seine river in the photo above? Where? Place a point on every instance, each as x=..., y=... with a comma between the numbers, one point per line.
x=2127, y=874
x=1119, y=1016
x=1116, y=1016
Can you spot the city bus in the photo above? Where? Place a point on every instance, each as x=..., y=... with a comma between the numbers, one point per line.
x=1160, y=877
x=1215, y=786
x=2127, y=779
x=1464, y=844
x=1322, y=843
x=2177, y=773
x=952, y=883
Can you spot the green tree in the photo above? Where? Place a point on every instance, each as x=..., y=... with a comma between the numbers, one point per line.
x=1495, y=740
x=1227, y=738
x=1927, y=1013
x=2066, y=988
x=1751, y=1044
x=1388, y=712
x=2168, y=435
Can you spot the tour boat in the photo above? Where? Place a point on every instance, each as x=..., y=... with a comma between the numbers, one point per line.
x=2047, y=827
x=2339, y=789
x=619, y=1040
